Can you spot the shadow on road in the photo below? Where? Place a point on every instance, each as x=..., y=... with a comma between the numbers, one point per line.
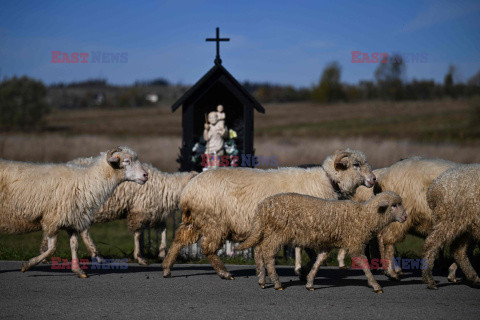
x=326, y=278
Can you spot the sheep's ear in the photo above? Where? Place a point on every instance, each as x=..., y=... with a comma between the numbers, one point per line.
x=382, y=206
x=114, y=160
x=341, y=161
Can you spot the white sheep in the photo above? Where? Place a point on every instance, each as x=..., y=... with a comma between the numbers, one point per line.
x=305, y=221
x=220, y=204
x=454, y=198
x=142, y=206
x=52, y=197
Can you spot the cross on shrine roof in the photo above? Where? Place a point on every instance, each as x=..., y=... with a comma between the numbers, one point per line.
x=217, y=39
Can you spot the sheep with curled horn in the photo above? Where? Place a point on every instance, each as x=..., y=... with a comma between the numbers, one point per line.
x=220, y=204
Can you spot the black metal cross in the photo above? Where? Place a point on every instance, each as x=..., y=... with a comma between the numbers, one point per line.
x=217, y=40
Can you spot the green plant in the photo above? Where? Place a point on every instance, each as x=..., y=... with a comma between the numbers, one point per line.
x=22, y=102
x=329, y=88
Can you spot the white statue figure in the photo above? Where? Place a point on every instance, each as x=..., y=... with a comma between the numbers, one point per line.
x=221, y=116
x=214, y=133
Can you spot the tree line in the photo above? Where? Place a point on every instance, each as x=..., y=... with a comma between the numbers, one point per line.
x=389, y=84
x=24, y=101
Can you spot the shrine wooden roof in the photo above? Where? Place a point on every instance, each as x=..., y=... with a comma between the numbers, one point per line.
x=212, y=76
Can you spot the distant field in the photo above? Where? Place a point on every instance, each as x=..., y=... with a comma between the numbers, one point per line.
x=423, y=121
x=297, y=133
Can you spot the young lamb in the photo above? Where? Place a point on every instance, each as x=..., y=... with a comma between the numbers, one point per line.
x=454, y=198
x=142, y=206
x=305, y=221
x=220, y=204
x=410, y=178
x=52, y=197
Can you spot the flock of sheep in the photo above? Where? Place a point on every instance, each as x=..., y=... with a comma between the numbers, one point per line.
x=340, y=204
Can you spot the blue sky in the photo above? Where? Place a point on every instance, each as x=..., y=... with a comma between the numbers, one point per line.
x=286, y=42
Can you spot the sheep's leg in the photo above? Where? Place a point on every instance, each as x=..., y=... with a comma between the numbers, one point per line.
x=381, y=247
x=260, y=265
x=44, y=247
x=74, y=248
x=219, y=266
x=52, y=246
x=392, y=267
x=436, y=240
x=269, y=256
x=397, y=268
x=312, y=255
x=162, y=250
x=387, y=252
x=366, y=269
x=452, y=270
x=210, y=246
x=459, y=247
x=298, y=261
x=137, y=254
x=341, y=258
x=430, y=249
x=91, y=247
x=185, y=235
x=311, y=276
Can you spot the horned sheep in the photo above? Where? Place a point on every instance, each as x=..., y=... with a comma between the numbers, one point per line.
x=142, y=206
x=52, y=197
x=220, y=204
x=305, y=221
x=454, y=198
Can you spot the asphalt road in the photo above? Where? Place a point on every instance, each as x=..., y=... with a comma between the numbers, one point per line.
x=196, y=292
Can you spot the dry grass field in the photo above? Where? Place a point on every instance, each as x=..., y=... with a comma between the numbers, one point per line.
x=295, y=132
x=298, y=133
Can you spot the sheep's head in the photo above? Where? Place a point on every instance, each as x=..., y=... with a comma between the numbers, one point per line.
x=349, y=169
x=389, y=206
x=126, y=160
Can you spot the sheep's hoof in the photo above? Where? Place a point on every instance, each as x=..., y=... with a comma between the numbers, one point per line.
x=379, y=291
x=452, y=279
x=226, y=276
x=45, y=261
x=25, y=267
x=83, y=276
x=310, y=289
x=167, y=275
x=432, y=287
x=343, y=268
x=279, y=288
x=142, y=262
x=262, y=286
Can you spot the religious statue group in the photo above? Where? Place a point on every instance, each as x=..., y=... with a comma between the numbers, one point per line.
x=216, y=134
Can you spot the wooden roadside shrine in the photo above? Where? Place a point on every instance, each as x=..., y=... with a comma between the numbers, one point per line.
x=216, y=87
